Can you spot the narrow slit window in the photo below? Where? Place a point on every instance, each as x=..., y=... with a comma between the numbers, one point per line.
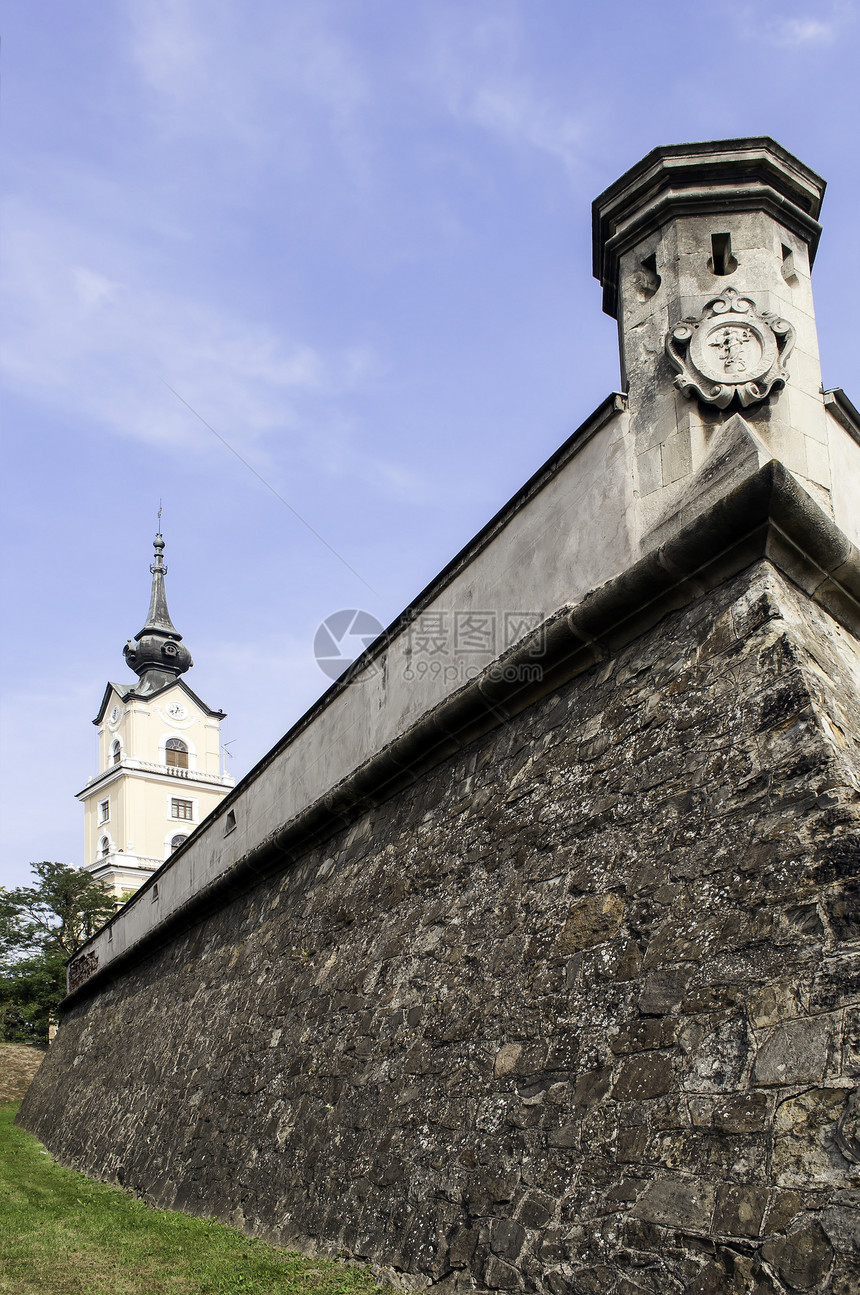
x=788, y=271
x=229, y=821
x=722, y=261
x=649, y=279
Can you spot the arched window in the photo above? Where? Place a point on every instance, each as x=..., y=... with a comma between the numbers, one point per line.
x=104, y=847
x=176, y=841
x=116, y=751
x=176, y=753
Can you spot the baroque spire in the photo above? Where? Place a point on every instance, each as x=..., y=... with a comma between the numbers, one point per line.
x=157, y=653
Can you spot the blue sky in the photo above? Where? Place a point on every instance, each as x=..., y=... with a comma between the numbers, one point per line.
x=354, y=236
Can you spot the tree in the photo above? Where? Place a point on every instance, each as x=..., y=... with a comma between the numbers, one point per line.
x=41, y=927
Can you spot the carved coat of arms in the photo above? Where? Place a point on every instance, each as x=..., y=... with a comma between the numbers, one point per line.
x=730, y=350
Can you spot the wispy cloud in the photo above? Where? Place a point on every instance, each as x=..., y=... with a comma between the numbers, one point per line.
x=515, y=113
x=805, y=31
x=478, y=64
x=806, y=27
x=89, y=329
x=207, y=71
x=110, y=334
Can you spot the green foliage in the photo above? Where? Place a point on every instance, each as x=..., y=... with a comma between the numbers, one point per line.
x=63, y=1234
x=41, y=926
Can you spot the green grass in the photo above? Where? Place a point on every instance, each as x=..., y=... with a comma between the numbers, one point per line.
x=64, y=1234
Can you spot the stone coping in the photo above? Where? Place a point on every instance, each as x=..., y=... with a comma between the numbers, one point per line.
x=767, y=516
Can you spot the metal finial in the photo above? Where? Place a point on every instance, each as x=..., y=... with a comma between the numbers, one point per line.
x=158, y=545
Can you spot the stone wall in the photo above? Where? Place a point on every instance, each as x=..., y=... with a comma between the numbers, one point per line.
x=578, y=1012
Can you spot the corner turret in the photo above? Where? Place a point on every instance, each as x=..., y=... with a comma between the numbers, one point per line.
x=704, y=254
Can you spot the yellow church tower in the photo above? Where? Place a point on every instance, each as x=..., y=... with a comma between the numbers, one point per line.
x=159, y=755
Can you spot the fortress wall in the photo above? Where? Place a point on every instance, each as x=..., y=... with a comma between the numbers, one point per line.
x=577, y=1012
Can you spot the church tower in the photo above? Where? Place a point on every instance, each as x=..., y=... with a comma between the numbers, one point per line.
x=159, y=755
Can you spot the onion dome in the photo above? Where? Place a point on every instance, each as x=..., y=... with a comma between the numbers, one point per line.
x=157, y=654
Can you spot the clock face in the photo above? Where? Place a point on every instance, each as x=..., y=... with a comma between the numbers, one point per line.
x=176, y=711
x=114, y=715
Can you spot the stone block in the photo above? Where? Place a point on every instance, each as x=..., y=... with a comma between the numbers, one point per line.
x=506, y=1238
x=718, y=1062
x=851, y=1043
x=842, y=908
x=591, y=1281
x=643, y=1035
x=650, y=471
x=841, y=1222
x=644, y=1076
x=591, y=1087
x=774, y=1002
x=507, y=1058
x=740, y=1210
x=676, y=458
x=802, y=1258
x=796, y=1052
x=677, y=1202
x=501, y=1276
x=742, y=1113
x=784, y=1206
x=568, y=1136
x=817, y=462
x=536, y=1209
x=663, y=991
x=804, y=1151
x=591, y=921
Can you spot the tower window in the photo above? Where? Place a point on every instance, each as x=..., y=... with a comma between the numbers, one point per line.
x=176, y=753
x=649, y=279
x=116, y=752
x=181, y=808
x=788, y=271
x=104, y=811
x=104, y=848
x=722, y=261
x=176, y=841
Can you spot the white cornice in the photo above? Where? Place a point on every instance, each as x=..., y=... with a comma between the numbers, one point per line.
x=155, y=773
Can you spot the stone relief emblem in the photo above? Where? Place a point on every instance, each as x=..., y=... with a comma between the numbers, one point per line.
x=730, y=350
x=82, y=968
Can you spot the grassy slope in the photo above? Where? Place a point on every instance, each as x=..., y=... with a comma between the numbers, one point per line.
x=64, y=1234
